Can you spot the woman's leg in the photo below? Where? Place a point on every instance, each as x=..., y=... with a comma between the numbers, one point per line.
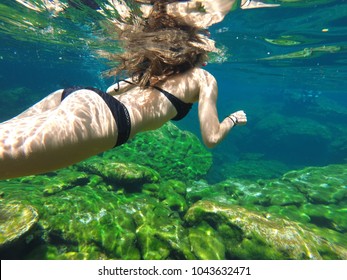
x=52, y=101
x=81, y=126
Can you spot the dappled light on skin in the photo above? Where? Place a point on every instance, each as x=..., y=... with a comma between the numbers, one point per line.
x=58, y=135
x=57, y=132
x=196, y=13
x=149, y=109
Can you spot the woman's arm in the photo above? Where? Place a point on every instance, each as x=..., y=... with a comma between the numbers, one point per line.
x=213, y=131
x=202, y=14
x=198, y=13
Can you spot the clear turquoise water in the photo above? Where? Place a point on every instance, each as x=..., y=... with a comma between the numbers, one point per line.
x=274, y=58
x=286, y=67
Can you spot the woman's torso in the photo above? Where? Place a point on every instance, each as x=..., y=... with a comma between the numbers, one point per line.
x=150, y=109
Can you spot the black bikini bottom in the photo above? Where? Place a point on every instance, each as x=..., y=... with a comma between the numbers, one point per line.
x=119, y=111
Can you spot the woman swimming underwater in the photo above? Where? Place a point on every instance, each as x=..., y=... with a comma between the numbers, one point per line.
x=163, y=55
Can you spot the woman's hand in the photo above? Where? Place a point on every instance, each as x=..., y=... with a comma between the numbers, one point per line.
x=238, y=117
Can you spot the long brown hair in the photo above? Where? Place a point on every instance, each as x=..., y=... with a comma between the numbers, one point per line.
x=157, y=47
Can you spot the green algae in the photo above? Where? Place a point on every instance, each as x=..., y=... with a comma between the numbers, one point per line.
x=80, y=217
x=206, y=244
x=313, y=196
x=88, y=222
x=16, y=221
x=263, y=237
x=324, y=185
x=87, y=212
x=175, y=154
x=119, y=173
x=160, y=232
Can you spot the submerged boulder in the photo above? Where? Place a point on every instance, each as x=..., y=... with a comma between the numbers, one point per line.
x=326, y=191
x=16, y=222
x=206, y=244
x=120, y=173
x=174, y=153
x=321, y=185
x=160, y=232
x=250, y=235
x=170, y=193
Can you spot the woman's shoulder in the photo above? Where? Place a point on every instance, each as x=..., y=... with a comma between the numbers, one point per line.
x=197, y=73
x=191, y=80
x=202, y=75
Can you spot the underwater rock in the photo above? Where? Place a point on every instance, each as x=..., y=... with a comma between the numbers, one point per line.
x=326, y=109
x=86, y=222
x=174, y=153
x=321, y=185
x=120, y=174
x=160, y=233
x=63, y=179
x=250, y=235
x=206, y=244
x=55, y=182
x=280, y=127
x=172, y=194
x=93, y=222
x=198, y=190
x=327, y=216
x=280, y=193
x=246, y=192
x=88, y=218
x=16, y=222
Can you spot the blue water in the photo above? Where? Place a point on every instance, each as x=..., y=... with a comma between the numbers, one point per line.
x=57, y=50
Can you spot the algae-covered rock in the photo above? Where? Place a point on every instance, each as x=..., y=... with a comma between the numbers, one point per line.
x=16, y=221
x=327, y=216
x=220, y=192
x=86, y=219
x=246, y=192
x=64, y=179
x=280, y=128
x=206, y=244
x=86, y=222
x=120, y=174
x=257, y=236
x=322, y=185
x=83, y=219
x=160, y=232
x=174, y=153
x=171, y=193
x=291, y=212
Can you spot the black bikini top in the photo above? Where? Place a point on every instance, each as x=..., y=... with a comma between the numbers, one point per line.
x=181, y=107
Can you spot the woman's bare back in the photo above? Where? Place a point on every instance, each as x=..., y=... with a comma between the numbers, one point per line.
x=150, y=109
